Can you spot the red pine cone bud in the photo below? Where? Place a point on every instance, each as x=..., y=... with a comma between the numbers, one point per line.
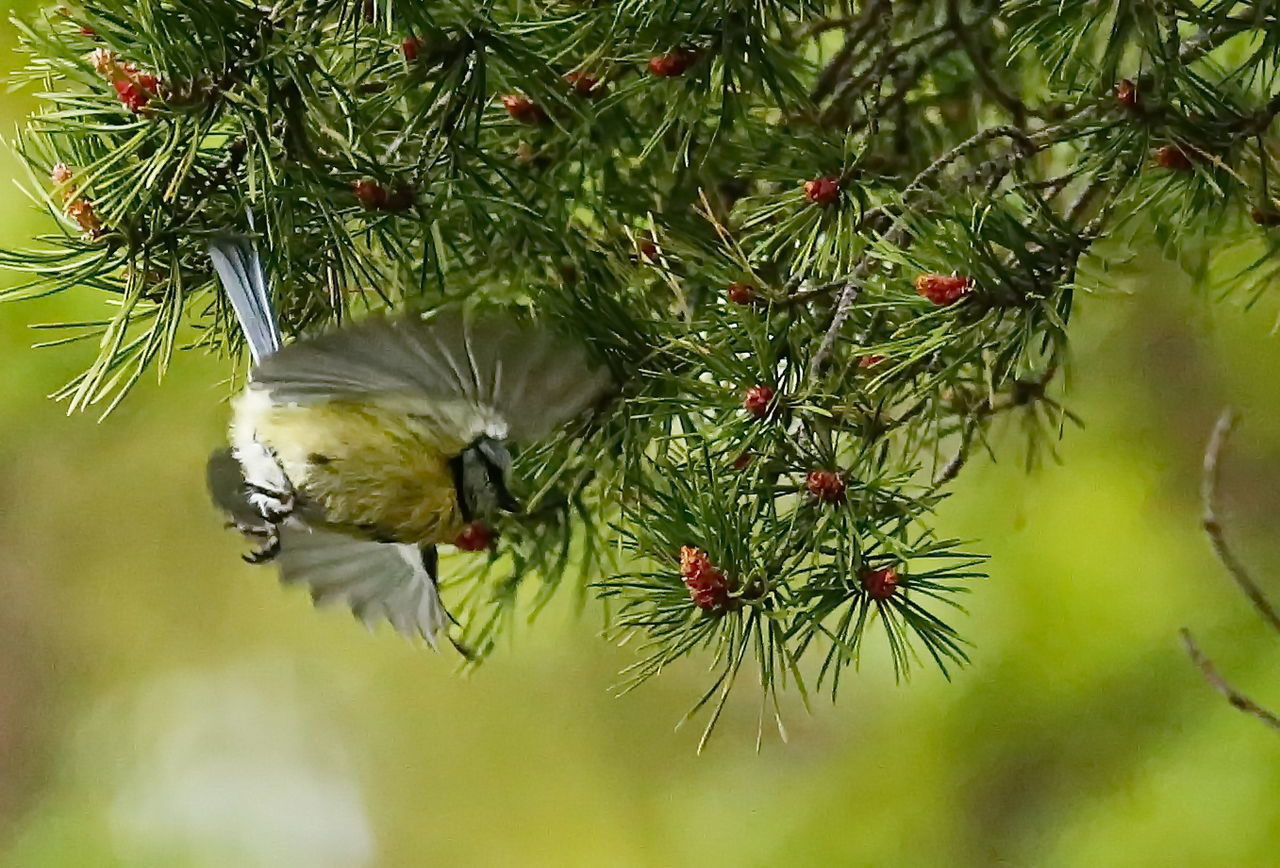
x=742, y=461
x=523, y=109
x=1173, y=157
x=741, y=293
x=86, y=30
x=880, y=584
x=86, y=218
x=825, y=485
x=144, y=80
x=134, y=88
x=372, y=195
x=758, y=400
x=475, y=537
x=585, y=84
x=1127, y=94
x=131, y=94
x=943, y=289
x=409, y=47
x=1265, y=216
x=870, y=361
x=822, y=191
x=672, y=63
x=648, y=248
x=708, y=587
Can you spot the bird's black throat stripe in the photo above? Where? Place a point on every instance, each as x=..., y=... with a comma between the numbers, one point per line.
x=460, y=490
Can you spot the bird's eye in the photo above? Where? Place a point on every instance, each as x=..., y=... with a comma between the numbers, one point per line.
x=480, y=477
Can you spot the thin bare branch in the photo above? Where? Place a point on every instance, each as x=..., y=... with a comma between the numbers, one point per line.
x=1213, y=527
x=1220, y=684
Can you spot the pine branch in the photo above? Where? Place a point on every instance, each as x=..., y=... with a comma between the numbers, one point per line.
x=823, y=246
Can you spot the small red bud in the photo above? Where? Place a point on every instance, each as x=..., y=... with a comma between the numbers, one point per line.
x=586, y=85
x=870, y=361
x=475, y=537
x=708, y=587
x=822, y=191
x=372, y=195
x=146, y=81
x=648, y=248
x=133, y=95
x=880, y=584
x=943, y=289
x=1173, y=157
x=741, y=293
x=523, y=109
x=672, y=63
x=758, y=400
x=1127, y=94
x=742, y=461
x=409, y=47
x=825, y=485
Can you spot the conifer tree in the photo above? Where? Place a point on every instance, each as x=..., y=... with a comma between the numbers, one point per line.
x=824, y=246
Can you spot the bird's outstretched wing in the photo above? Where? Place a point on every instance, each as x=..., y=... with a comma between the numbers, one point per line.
x=523, y=374
x=377, y=581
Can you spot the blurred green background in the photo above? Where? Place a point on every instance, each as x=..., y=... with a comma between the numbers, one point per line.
x=162, y=703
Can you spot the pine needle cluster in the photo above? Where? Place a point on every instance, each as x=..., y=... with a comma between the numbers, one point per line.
x=823, y=245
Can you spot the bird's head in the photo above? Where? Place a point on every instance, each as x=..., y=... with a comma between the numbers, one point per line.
x=480, y=476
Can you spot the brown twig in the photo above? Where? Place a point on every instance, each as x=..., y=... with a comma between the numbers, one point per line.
x=1213, y=527
x=1025, y=392
x=952, y=468
x=1220, y=684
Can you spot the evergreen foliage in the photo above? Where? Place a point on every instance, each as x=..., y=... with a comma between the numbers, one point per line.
x=884, y=212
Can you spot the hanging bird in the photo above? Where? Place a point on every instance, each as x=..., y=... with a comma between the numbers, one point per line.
x=355, y=453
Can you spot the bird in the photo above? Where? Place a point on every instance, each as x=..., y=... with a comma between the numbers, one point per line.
x=355, y=452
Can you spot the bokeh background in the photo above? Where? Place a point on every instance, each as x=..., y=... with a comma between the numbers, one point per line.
x=162, y=703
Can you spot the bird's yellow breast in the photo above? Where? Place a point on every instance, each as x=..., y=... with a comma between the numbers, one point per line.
x=373, y=469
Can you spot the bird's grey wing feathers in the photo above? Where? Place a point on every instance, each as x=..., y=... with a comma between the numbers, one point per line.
x=377, y=581
x=227, y=490
x=240, y=270
x=527, y=376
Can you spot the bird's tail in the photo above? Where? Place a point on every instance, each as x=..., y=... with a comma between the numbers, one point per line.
x=240, y=269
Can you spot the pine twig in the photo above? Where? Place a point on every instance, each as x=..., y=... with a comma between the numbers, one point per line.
x=1220, y=684
x=1213, y=527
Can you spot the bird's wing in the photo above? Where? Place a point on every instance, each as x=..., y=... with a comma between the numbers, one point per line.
x=527, y=377
x=227, y=490
x=377, y=581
